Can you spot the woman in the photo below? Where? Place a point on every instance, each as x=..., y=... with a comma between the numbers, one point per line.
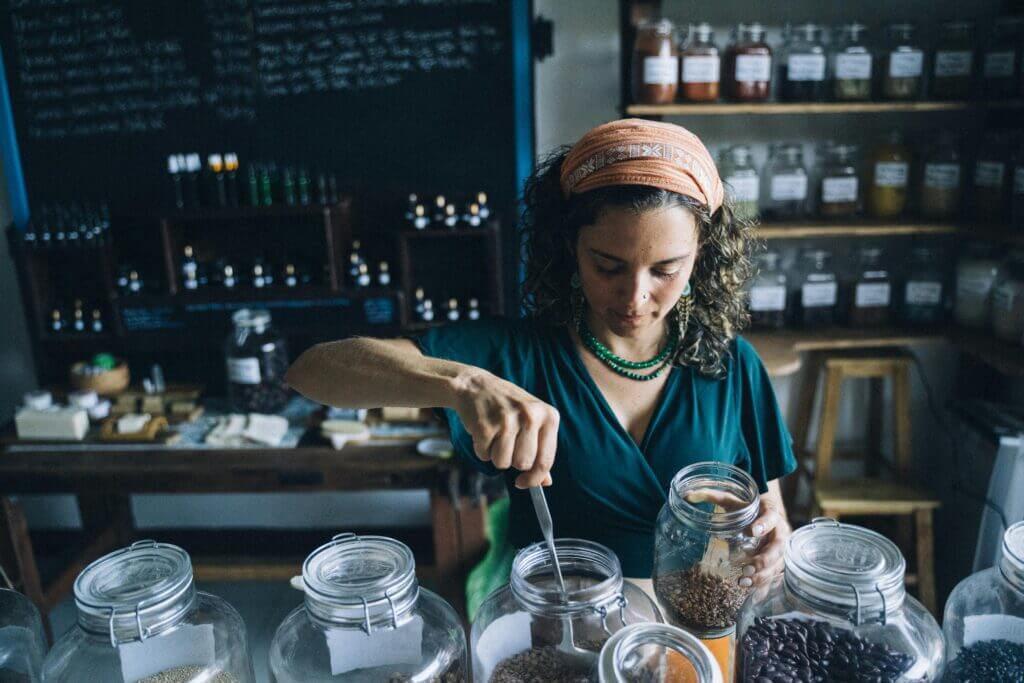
x=627, y=367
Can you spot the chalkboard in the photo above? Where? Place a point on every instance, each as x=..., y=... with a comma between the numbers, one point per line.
x=393, y=95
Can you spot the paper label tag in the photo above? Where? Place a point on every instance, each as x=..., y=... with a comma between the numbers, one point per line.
x=1018, y=180
x=790, y=186
x=953, y=63
x=805, y=68
x=815, y=294
x=923, y=293
x=906, y=64
x=993, y=627
x=1000, y=64
x=506, y=636
x=989, y=173
x=744, y=188
x=661, y=70
x=835, y=190
x=973, y=286
x=185, y=645
x=942, y=176
x=871, y=294
x=352, y=649
x=891, y=173
x=853, y=67
x=753, y=68
x=768, y=298
x=701, y=69
x=244, y=370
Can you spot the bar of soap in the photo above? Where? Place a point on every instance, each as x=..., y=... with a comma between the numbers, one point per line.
x=58, y=424
x=132, y=422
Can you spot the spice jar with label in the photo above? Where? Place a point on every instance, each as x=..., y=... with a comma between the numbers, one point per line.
x=742, y=183
x=1008, y=300
x=870, y=303
x=768, y=293
x=852, y=64
x=700, y=68
x=1000, y=62
x=257, y=360
x=889, y=175
x=953, y=69
x=786, y=183
x=940, y=178
x=802, y=65
x=990, y=196
x=655, y=64
x=924, y=289
x=976, y=275
x=839, y=193
x=818, y=294
x=748, y=65
x=902, y=64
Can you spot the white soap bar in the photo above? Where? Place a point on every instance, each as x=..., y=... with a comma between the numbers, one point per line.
x=65, y=424
x=132, y=422
x=266, y=429
x=87, y=398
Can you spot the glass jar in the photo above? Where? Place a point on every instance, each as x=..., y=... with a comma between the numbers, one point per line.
x=1001, y=59
x=743, y=185
x=141, y=619
x=976, y=275
x=870, y=305
x=817, y=297
x=655, y=63
x=786, y=182
x=984, y=618
x=839, y=612
x=990, y=196
x=890, y=173
x=257, y=360
x=924, y=289
x=852, y=62
x=366, y=618
x=700, y=67
x=768, y=293
x=1017, y=196
x=656, y=653
x=953, y=72
x=1008, y=300
x=518, y=627
x=839, y=191
x=802, y=67
x=941, y=178
x=902, y=64
x=22, y=642
x=748, y=65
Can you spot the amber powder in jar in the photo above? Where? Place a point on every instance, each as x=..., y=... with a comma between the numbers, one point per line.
x=655, y=64
x=700, y=66
x=748, y=65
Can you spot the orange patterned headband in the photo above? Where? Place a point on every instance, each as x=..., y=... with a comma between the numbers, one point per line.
x=639, y=152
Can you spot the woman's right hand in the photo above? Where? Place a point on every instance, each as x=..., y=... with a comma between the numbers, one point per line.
x=510, y=427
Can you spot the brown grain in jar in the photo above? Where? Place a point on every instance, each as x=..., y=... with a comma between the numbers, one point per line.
x=655, y=64
x=700, y=68
x=748, y=65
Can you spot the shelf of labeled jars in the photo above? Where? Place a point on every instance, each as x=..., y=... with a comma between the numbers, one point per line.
x=778, y=108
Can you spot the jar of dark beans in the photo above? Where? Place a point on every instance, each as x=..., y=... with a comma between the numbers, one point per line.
x=748, y=65
x=852, y=64
x=924, y=290
x=517, y=630
x=768, y=293
x=953, y=67
x=902, y=64
x=818, y=294
x=257, y=359
x=839, y=612
x=802, y=66
x=984, y=617
x=1000, y=63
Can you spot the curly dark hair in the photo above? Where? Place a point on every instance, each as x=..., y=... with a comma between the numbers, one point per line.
x=550, y=224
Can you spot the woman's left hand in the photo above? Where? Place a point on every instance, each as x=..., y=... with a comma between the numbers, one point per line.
x=773, y=528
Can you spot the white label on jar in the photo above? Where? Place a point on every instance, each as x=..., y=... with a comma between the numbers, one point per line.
x=871, y=294
x=953, y=63
x=701, y=69
x=906, y=64
x=815, y=294
x=974, y=286
x=891, y=173
x=942, y=176
x=922, y=293
x=744, y=188
x=999, y=64
x=768, y=298
x=853, y=67
x=1018, y=180
x=787, y=187
x=244, y=370
x=988, y=173
x=806, y=68
x=351, y=648
x=993, y=627
x=505, y=636
x=186, y=645
x=834, y=190
x=661, y=70
x=753, y=68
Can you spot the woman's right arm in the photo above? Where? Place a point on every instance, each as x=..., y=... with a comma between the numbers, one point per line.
x=509, y=426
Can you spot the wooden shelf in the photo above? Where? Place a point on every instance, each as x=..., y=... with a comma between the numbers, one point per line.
x=777, y=108
x=772, y=231
x=1002, y=356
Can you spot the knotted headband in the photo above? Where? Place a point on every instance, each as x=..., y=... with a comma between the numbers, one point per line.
x=639, y=152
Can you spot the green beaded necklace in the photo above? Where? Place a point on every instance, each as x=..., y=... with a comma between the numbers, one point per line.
x=625, y=367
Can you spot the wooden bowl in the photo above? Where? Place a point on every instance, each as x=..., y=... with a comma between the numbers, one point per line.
x=108, y=383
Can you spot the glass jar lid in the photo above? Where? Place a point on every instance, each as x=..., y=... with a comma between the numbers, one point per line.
x=870, y=256
x=714, y=496
x=841, y=153
x=925, y=255
x=806, y=33
x=852, y=33
x=661, y=27
x=251, y=317
x=648, y=652
x=768, y=261
x=819, y=258
x=750, y=33
x=739, y=155
x=701, y=33
x=592, y=574
x=791, y=152
x=1012, y=562
x=845, y=569
x=367, y=582
x=135, y=592
x=900, y=32
x=957, y=29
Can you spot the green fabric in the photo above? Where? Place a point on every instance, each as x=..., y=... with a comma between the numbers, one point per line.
x=607, y=488
x=493, y=571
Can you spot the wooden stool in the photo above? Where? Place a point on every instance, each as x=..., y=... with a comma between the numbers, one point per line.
x=872, y=496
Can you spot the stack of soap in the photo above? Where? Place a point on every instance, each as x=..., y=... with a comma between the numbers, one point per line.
x=56, y=424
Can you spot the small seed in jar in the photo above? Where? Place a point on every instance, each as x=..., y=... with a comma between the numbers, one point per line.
x=700, y=600
x=188, y=674
x=992, y=660
x=540, y=665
